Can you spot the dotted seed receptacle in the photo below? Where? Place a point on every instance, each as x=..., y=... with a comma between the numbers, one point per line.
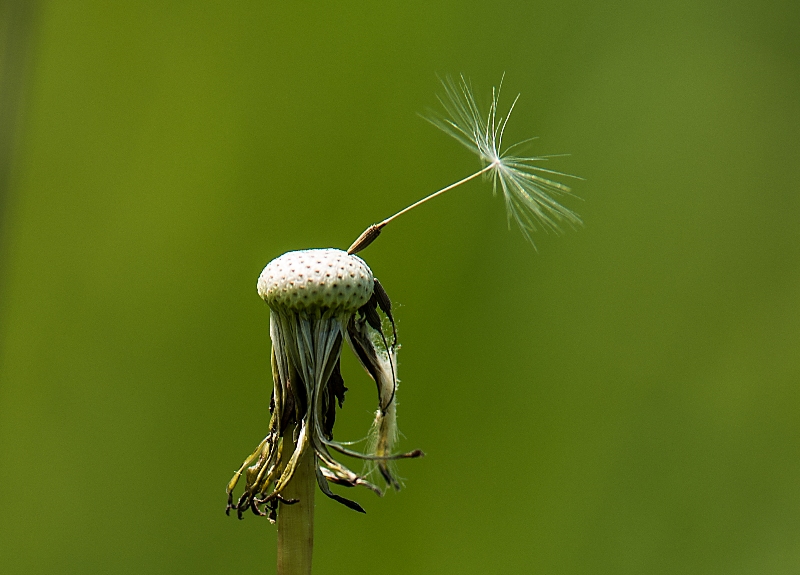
x=322, y=278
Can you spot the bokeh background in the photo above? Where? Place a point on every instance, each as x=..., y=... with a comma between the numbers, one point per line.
x=624, y=400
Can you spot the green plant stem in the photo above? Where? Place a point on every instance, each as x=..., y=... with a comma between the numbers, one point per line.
x=296, y=521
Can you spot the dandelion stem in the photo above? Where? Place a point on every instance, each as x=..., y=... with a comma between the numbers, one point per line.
x=296, y=521
x=434, y=194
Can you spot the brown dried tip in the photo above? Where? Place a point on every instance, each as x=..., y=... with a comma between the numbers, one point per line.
x=366, y=238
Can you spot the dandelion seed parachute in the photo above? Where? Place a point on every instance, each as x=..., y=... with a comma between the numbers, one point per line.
x=529, y=191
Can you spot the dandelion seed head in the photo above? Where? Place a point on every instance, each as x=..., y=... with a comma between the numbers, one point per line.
x=320, y=300
x=320, y=278
x=528, y=189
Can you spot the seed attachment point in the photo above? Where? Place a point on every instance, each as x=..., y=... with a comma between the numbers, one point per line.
x=366, y=238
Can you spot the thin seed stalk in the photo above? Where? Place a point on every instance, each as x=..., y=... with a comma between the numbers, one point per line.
x=371, y=233
x=437, y=193
x=296, y=521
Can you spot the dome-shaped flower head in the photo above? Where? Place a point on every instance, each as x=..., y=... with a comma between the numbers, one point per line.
x=319, y=299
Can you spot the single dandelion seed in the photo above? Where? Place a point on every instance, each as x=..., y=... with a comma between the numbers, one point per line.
x=528, y=189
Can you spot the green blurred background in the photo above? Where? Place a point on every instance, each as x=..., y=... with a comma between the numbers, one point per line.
x=624, y=401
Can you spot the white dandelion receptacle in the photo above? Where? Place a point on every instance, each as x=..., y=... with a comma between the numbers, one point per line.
x=323, y=278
